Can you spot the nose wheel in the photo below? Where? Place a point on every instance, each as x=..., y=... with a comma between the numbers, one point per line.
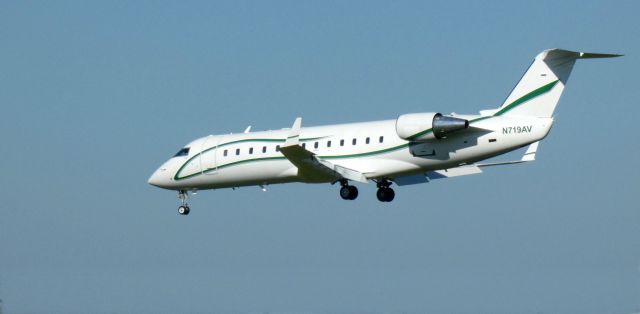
x=184, y=208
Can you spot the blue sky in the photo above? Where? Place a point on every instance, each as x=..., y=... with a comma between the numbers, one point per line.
x=95, y=95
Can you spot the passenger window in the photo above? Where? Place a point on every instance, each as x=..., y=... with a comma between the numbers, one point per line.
x=315, y=145
x=251, y=150
x=304, y=145
x=354, y=141
x=237, y=151
x=225, y=153
x=264, y=149
x=366, y=140
x=341, y=142
x=328, y=143
x=277, y=148
x=381, y=139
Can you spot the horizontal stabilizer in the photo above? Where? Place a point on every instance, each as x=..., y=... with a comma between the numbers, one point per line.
x=593, y=55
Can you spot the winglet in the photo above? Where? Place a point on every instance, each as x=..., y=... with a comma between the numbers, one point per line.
x=530, y=154
x=294, y=134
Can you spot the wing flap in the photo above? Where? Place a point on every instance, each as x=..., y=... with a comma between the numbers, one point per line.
x=438, y=174
x=453, y=172
x=529, y=155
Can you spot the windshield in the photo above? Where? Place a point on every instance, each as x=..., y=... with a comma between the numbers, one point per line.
x=182, y=152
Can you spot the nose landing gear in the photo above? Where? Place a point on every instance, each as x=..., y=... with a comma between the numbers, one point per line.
x=184, y=208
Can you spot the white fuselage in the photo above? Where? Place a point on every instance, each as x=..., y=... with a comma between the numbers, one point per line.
x=372, y=148
x=414, y=148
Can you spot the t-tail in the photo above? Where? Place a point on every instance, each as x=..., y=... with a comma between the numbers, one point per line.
x=539, y=90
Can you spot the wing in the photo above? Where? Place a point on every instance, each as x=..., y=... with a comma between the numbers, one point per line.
x=529, y=155
x=310, y=166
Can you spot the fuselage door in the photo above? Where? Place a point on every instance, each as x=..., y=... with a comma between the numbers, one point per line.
x=208, y=159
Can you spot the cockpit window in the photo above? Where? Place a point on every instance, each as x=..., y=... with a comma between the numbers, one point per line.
x=182, y=152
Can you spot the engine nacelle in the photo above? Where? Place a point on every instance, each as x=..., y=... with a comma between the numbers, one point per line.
x=422, y=127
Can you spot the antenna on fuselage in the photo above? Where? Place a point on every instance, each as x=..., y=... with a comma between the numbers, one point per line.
x=247, y=130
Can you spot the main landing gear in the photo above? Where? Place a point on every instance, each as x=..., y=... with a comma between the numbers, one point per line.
x=184, y=208
x=385, y=193
x=348, y=192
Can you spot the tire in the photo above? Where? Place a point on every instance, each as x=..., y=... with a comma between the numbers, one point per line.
x=353, y=192
x=381, y=194
x=391, y=194
x=345, y=192
x=183, y=210
x=385, y=194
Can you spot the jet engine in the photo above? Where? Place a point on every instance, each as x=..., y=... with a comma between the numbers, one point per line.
x=422, y=127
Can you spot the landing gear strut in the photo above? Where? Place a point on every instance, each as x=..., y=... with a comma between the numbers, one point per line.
x=184, y=208
x=385, y=193
x=348, y=192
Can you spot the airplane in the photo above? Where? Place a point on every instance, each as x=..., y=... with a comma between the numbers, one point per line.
x=414, y=148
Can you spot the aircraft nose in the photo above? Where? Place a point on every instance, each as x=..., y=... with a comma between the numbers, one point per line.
x=159, y=178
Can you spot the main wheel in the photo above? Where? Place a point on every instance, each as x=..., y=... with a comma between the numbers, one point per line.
x=381, y=194
x=353, y=192
x=183, y=210
x=391, y=194
x=345, y=192
x=385, y=194
x=348, y=192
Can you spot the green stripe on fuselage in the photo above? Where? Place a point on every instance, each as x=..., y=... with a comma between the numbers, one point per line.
x=259, y=140
x=533, y=94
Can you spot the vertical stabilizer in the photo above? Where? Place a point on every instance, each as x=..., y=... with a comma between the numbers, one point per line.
x=539, y=90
